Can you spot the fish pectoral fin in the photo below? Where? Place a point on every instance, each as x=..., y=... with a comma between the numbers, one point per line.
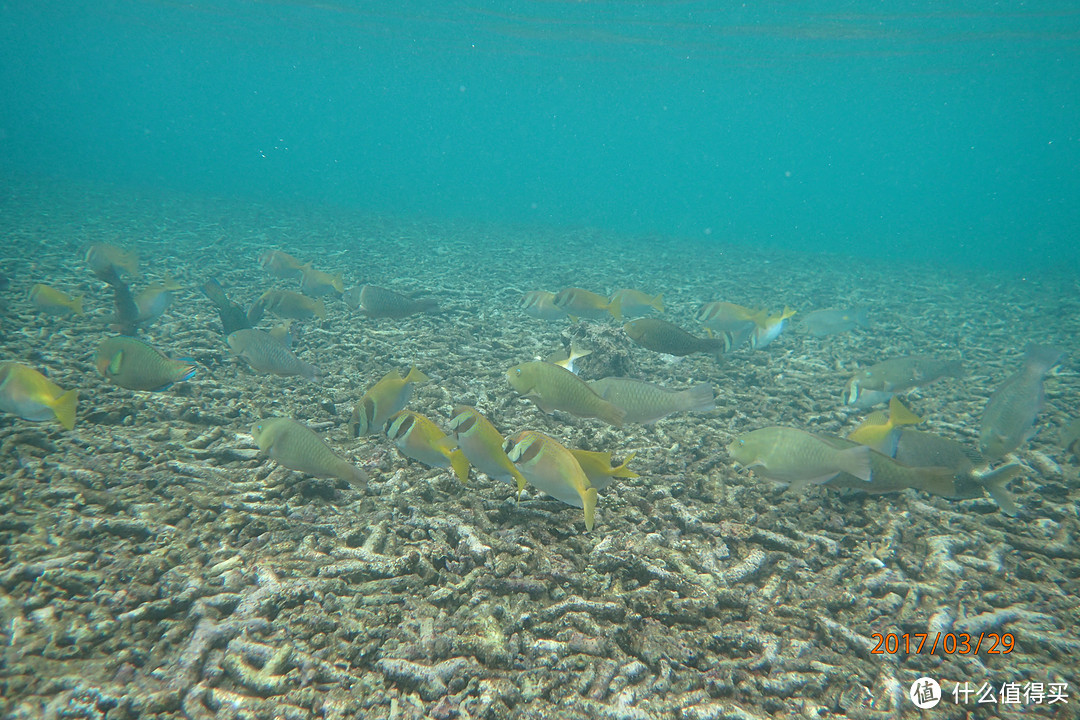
x=541, y=403
x=995, y=482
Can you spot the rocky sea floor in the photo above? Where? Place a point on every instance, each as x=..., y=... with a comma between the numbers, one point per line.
x=152, y=565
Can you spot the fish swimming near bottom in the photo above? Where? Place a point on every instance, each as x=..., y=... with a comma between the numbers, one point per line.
x=155, y=298
x=881, y=431
x=55, y=302
x=483, y=446
x=26, y=393
x=317, y=283
x=646, y=402
x=136, y=365
x=286, y=304
x=798, y=458
x=898, y=374
x=632, y=303
x=552, y=468
x=822, y=323
x=664, y=337
x=296, y=446
x=540, y=304
x=553, y=387
x=598, y=468
x=420, y=439
x=1009, y=418
x=233, y=317
x=1069, y=437
x=378, y=302
x=266, y=354
x=382, y=400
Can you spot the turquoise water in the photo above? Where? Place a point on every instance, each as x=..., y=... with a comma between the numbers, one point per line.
x=893, y=129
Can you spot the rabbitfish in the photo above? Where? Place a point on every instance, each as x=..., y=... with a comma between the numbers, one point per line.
x=555, y=388
x=541, y=305
x=598, y=467
x=821, y=323
x=483, y=446
x=881, y=431
x=295, y=446
x=386, y=397
x=420, y=439
x=103, y=258
x=135, y=365
x=26, y=393
x=266, y=354
x=646, y=402
x=316, y=283
x=551, y=468
x=55, y=302
x=576, y=303
x=1010, y=412
x=280, y=264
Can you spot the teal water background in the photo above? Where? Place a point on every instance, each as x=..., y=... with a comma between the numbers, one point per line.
x=894, y=129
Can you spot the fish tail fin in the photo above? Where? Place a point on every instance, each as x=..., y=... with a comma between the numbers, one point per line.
x=589, y=505
x=415, y=376
x=995, y=483
x=76, y=305
x=64, y=408
x=699, y=398
x=460, y=464
x=788, y=312
x=862, y=318
x=658, y=302
x=573, y=318
x=1040, y=358
x=621, y=471
x=855, y=461
x=169, y=283
x=310, y=372
x=320, y=310
x=338, y=284
x=521, y=482
x=615, y=308
x=353, y=475
x=900, y=415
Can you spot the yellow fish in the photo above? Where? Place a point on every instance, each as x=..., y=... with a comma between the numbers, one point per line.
x=483, y=446
x=317, y=283
x=55, y=302
x=383, y=399
x=576, y=303
x=634, y=303
x=598, y=467
x=881, y=431
x=280, y=264
x=555, y=388
x=101, y=257
x=550, y=467
x=419, y=438
x=295, y=446
x=28, y=394
x=541, y=305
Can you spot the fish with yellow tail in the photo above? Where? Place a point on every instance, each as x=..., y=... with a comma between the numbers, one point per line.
x=798, y=458
x=280, y=264
x=555, y=388
x=26, y=393
x=296, y=446
x=567, y=358
x=51, y=301
x=1009, y=417
x=880, y=381
x=153, y=300
x=136, y=365
x=551, y=468
x=881, y=431
x=378, y=302
x=286, y=304
x=598, y=467
x=383, y=399
x=767, y=327
x=579, y=303
x=631, y=303
x=420, y=439
x=103, y=257
x=725, y=317
x=483, y=446
x=664, y=337
x=316, y=283
x=540, y=304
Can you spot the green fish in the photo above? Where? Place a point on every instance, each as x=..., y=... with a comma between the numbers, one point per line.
x=1009, y=418
x=634, y=303
x=645, y=402
x=896, y=375
x=286, y=304
x=55, y=302
x=294, y=445
x=664, y=337
x=483, y=446
x=553, y=387
x=135, y=365
x=382, y=400
x=26, y=393
x=798, y=458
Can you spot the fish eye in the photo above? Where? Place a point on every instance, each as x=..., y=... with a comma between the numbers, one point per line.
x=518, y=371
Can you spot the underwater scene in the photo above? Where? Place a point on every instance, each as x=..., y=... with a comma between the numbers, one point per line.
x=543, y=360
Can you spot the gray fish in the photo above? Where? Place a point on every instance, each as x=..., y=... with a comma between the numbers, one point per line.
x=1070, y=437
x=297, y=447
x=379, y=302
x=821, y=323
x=799, y=458
x=898, y=374
x=266, y=354
x=1010, y=412
x=664, y=337
x=646, y=402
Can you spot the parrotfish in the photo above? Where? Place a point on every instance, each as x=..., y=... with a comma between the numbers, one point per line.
x=280, y=264
x=798, y=458
x=135, y=365
x=664, y=337
x=881, y=431
x=634, y=303
x=821, y=323
x=898, y=374
x=551, y=468
x=483, y=446
x=297, y=447
x=598, y=467
x=555, y=388
x=377, y=302
x=541, y=305
x=286, y=304
x=1010, y=413
x=420, y=439
x=316, y=283
x=55, y=302
x=103, y=256
x=578, y=303
x=266, y=354
x=26, y=393
x=383, y=399
x=155, y=298
x=646, y=402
